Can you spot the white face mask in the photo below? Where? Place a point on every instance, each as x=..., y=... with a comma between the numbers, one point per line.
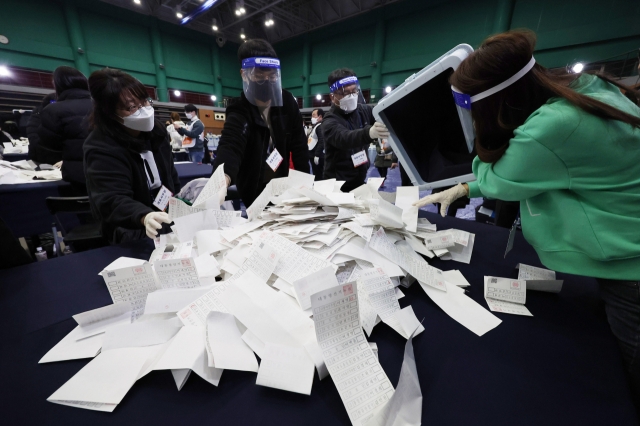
x=189, y=115
x=349, y=103
x=142, y=122
x=314, y=120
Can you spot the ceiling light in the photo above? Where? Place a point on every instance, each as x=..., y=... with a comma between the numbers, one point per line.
x=242, y=36
x=136, y=1
x=176, y=92
x=240, y=10
x=214, y=25
x=268, y=19
x=577, y=67
x=179, y=12
x=4, y=71
x=318, y=97
x=387, y=89
x=213, y=97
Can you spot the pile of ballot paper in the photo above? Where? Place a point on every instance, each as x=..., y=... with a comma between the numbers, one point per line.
x=297, y=283
x=26, y=171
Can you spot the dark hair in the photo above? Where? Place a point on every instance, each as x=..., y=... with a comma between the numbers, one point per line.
x=190, y=108
x=339, y=74
x=319, y=111
x=65, y=78
x=108, y=88
x=496, y=117
x=51, y=97
x=175, y=116
x=256, y=47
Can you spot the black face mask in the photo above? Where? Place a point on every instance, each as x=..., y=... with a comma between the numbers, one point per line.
x=262, y=92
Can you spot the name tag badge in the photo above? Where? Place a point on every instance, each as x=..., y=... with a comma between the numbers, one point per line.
x=274, y=160
x=162, y=199
x=359, y=158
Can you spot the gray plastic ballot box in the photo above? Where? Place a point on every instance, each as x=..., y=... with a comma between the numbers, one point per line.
x=431, y=135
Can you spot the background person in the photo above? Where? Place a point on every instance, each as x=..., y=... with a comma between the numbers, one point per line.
x=34, y=123
x=263, y=121
x=348, y=129
x=567, y=147
x=315, y=143
x=64, y=125
x=127, y=158
x=385, y=159
x=176, y=123
x=194, y=130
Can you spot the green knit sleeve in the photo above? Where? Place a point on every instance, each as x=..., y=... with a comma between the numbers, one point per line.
x=526, y=169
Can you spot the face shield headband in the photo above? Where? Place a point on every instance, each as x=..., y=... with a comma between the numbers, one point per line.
x=464, y=101
x=347, y=81
x=262, y=84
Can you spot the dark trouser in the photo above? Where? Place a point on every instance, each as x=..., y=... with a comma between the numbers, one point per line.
x=382, y=171
x=317, y=169
x=622, y=305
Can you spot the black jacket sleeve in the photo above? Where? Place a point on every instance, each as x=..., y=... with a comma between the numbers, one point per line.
x=233, y=141
x=299, y=148
x=338, y=135
x=111, y=192
x=318, y=151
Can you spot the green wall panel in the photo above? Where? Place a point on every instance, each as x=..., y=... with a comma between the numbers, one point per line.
x=186, y=55
x=115, y=39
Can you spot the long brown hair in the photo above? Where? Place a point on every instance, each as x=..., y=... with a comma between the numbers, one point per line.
x=496, y=117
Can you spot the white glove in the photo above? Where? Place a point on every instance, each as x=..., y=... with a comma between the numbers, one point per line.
x=378, y=131
x=316, y=160
x=58, y=165
x=153, y=221
x=445, y=198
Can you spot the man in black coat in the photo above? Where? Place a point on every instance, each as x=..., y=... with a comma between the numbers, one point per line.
x=264, y=121
x=65, y=125
x=316, y=144
x=348, y=129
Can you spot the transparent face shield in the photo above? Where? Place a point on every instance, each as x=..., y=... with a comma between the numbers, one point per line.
x=261, y=81
x=346, y=93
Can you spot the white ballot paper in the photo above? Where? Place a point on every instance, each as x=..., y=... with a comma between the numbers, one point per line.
x=187, y=226
x=506, y=295
x=97, y=321
x=215, y=189
x=460, y=253
x=405, y=406
x=539, y=279
x=463, y=309
x=186, y=351
x=104, y=381
x=286, y=367
x=439, y=240
x=382, y=295
x=72, y=348
x=414, y=265
x=178, y=208
x=385, y=214
x=320, y=280
x=361, y=382
x=225, y=344
x=179, y=273
x=405, y=197
x=131, y=285
x=455, y=277
x=172, y=299
x=122, y=262
x=256, y=208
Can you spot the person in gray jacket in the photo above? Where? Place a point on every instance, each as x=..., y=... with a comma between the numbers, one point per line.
x=194, y=130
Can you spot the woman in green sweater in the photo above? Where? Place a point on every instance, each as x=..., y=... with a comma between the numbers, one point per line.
x=567, y=147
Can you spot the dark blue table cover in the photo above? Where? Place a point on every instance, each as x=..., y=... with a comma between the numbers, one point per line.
x=14, y=157
x=560, y=367
x=23, y=206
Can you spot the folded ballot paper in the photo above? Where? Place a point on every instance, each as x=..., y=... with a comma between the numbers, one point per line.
x=506, y=295
x=287, y=293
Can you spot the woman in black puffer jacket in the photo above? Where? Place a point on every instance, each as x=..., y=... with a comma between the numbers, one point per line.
x=64, y=126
